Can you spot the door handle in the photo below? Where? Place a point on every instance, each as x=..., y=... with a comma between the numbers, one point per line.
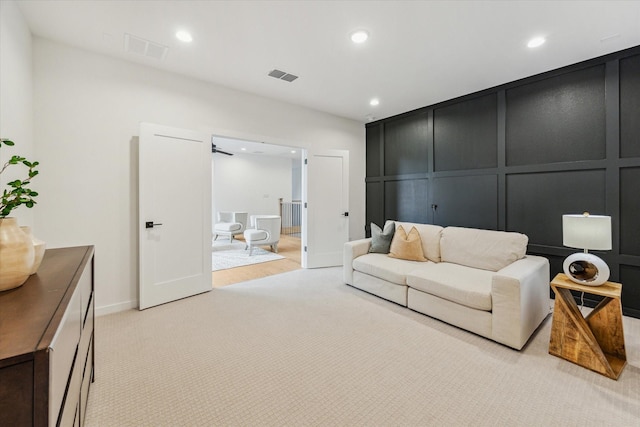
x=150, y=224
x=345, y=214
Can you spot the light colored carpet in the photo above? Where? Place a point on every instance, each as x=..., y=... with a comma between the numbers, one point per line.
x=230, y=255
x=303, y=349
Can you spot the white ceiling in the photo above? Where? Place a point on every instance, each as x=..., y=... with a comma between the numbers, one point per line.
x=419, y=52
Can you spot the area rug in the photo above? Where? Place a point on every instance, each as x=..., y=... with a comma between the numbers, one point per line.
x=234, y=255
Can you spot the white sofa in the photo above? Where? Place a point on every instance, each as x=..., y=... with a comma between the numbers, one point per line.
x=478, y=280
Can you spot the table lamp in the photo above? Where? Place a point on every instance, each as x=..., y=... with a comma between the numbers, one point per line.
x=586, y=232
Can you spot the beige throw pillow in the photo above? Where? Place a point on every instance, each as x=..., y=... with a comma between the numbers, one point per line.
x=430, y=236
x=407, y=246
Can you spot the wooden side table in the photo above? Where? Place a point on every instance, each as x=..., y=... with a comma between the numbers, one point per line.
x=595, y=342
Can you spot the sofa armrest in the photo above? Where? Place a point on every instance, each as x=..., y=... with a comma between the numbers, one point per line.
x=520, y=300
x=353, y=250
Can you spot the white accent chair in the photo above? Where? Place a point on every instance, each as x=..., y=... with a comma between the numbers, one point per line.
x=265, y=231
x=230, y=224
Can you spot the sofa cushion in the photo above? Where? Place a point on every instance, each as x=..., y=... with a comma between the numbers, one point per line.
x=381, y=266
x=430, y=237
x=255, y=235
x=456, y=283
x=381, y=239
x=486, y=249
x=407, y=246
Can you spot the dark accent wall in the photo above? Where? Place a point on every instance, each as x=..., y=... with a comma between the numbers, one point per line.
x=518, y=156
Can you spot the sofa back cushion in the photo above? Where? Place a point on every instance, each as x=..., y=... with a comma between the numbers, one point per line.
x=407, y=245
x=430, y=237
x=485, y=249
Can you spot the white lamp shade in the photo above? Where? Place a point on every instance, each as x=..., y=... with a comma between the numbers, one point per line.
x=586, y=231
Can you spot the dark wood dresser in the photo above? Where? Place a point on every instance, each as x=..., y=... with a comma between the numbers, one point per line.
x=46, y=342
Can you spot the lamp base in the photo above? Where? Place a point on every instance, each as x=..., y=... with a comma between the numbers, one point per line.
x=586, y=269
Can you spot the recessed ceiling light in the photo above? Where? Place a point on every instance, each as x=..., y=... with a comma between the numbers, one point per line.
x=536, y=41
x=359, y=36
x=374, y=102
x=243, y=149
x=184, y=36
x=293, y=151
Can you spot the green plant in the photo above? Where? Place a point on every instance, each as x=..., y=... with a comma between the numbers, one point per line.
x=18, y=193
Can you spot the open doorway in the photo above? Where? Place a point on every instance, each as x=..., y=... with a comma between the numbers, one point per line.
x=256, y=179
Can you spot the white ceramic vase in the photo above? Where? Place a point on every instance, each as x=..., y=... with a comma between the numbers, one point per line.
x=38, y=245
x=16, y=254
x=586, y=269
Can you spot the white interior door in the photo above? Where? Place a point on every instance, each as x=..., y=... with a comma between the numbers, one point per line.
x=326, y=217
x=174, y=197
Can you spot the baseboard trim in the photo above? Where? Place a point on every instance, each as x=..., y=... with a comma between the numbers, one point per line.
x=115, y=308
x=630, y=312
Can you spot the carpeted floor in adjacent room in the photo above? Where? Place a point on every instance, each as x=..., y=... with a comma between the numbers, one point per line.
x=303, y=349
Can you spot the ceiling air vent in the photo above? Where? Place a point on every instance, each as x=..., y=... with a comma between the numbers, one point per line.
x=281, y=75
x=140, y=46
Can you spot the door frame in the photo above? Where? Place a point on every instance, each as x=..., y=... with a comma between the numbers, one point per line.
x=285, y=143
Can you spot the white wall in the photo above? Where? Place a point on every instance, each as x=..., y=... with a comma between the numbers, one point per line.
x=87, y=112
x=16, y=100
x=250, y=183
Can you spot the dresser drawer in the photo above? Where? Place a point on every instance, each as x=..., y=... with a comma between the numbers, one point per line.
x=70, y=416
x=87, y=378
x=71, y=404
x=62, y=352
x=85, y=286
x=86, y=336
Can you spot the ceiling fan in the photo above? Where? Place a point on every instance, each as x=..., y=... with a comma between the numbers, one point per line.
x=216, y=150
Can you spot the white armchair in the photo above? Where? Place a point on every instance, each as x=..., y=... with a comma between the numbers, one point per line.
x=230, y=224
x=265, y=231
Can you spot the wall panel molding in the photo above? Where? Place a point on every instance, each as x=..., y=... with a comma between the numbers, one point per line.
x=629, y=106
x=465, y=134
x=517, y=156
